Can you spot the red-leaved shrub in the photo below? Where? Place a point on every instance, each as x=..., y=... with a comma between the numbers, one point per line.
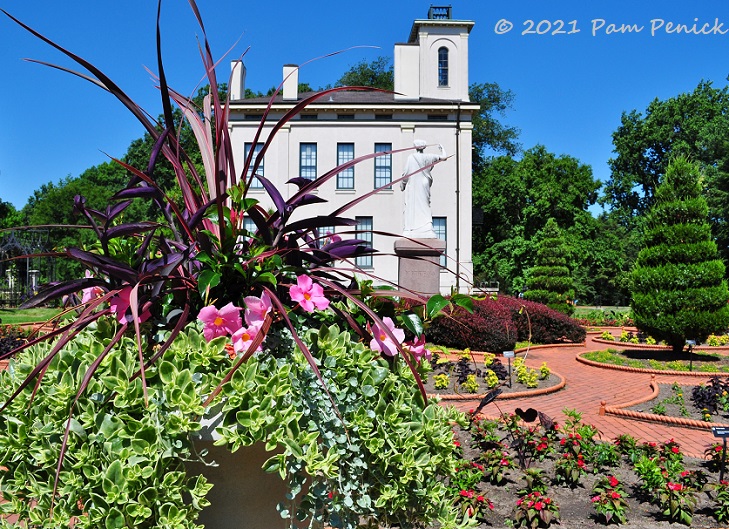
x=497, y=324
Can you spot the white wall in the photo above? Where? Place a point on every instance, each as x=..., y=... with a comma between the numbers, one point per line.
x=282, y=163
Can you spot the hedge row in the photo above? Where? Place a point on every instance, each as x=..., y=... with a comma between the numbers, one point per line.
x=497, y=324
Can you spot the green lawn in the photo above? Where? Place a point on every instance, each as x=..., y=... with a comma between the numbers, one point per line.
x=14, y=316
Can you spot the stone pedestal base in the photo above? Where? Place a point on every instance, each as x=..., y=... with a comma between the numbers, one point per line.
x=418, y=268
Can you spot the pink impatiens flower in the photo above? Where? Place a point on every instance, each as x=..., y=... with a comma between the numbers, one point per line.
x=243, y=337
x=220, y=322
x=381, y=341
x=417, y=348
x=119, y=304
x=308, y=295
x=92, y=292
x=257, y=308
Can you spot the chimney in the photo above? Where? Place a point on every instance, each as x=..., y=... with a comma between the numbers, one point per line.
x=237, y=80
x=291, y=82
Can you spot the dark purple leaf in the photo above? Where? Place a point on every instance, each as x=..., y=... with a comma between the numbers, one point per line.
x=319, y=222
x=104, y=264
x=138, y=191
x=278, y=200
x=129, y=229
x=114, y=211
x=306, y=200
x=56, y=290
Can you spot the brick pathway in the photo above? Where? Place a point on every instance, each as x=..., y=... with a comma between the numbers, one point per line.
x=587, y=386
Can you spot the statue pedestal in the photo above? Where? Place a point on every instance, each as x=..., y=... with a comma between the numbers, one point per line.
x=418, y=268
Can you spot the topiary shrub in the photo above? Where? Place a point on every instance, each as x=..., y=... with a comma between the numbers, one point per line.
x=678, y=287
x=498, y=323
x=550, y=281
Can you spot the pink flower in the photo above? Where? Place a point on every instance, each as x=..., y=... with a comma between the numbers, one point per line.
x=382, y=342
x=308, y=295
x=257, y=308
x=674, y=486
x=539, y=506
x=480, y=498
x=92, y=292
x=119, y=304
x=220, y=322
x=243, y=337
x=595, y=499
x=417, y=348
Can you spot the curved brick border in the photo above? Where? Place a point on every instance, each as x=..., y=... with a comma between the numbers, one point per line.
x=708, y=349
x=505, y=396
x=454, y=354
x=648, y=371
x=620, y=411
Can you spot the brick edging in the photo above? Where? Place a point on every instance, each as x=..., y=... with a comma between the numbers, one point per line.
x=647, y=370
x=506, y=396
x=620, y=410
x=699, y=348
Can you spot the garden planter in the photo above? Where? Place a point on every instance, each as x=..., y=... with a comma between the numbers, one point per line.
x=243, y=495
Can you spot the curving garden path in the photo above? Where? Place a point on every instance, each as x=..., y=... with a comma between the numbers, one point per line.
x=588, y=386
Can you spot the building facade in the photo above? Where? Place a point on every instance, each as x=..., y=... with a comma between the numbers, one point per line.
x=431, y=103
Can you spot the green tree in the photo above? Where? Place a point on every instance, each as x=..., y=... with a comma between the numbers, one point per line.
x=516, y=198
x=692, y=124
x=378, y=73
x=488, y=131
x=550, y=281
x=678, y=284
x=9, y=216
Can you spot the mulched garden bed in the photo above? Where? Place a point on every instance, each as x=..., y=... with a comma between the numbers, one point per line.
x=675, y=401
x=575, y=502
x=457, y=372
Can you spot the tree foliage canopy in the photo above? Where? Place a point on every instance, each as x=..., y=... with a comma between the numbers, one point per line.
x=692, y=124
x=678, y=284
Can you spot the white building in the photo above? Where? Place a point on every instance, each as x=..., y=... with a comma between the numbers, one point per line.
x=431, y=103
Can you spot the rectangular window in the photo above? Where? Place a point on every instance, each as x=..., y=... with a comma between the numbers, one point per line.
x=345, y=153
x=255, y=183
x=249, y=225
x=440, y=229
x=364, y=232
x=325, y=234
x=383, y=166
x=345, y=117
x=307, y=160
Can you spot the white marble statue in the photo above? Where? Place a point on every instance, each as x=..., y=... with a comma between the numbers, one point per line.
x=418, y=219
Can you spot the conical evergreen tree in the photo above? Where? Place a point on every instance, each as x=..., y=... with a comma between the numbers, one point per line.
x=678, y=285
x=550, y=281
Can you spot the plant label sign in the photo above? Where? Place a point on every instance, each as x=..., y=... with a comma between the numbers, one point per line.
x=508, y=354
x=720, y=431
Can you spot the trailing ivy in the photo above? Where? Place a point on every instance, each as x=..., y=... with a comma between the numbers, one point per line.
x=381, y=454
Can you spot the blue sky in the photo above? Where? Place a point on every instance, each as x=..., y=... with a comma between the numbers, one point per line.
x=570, y=89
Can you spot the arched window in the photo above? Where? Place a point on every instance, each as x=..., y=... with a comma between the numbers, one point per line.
x=443, y=66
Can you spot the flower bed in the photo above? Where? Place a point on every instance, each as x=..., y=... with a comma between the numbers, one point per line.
x=535, y=474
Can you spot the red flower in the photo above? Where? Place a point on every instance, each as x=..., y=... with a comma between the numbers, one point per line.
x=685, y=473
x=539, y=506
x=674, y=486
x=675, y=450
x=480, y=498
x=595, y=499
x=613, y=481
x=614, y=495
x=580, y=463
x=519, y=501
